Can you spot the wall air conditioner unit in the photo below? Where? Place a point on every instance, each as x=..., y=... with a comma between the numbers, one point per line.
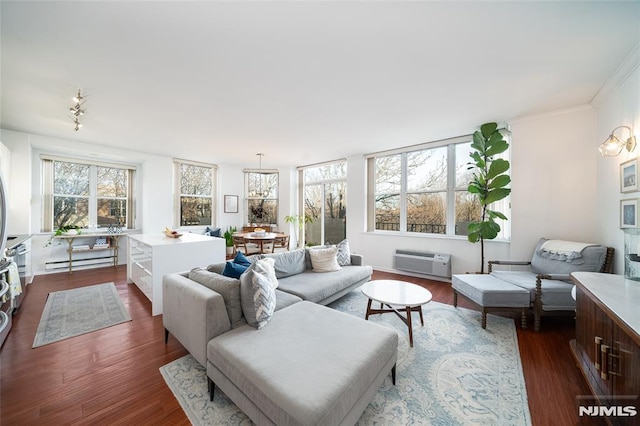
x=422, y=262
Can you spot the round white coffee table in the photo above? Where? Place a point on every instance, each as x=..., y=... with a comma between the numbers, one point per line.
x=397, y=296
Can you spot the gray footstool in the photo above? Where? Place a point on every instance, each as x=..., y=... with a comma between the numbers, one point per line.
x=491, y=294
x=309, y=365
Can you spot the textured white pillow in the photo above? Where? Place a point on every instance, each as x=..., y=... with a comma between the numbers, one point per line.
x=266, y=267
x=264, y=298
x=344, y=254
x=258, y=297
x=324, y=259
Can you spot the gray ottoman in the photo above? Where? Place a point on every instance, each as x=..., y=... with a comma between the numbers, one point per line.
x=309, y=365
x=491, y=294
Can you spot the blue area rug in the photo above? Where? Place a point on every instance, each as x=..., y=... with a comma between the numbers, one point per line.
x=70, y=313
x=456, y=374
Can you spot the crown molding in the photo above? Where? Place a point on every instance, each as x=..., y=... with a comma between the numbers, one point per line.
x=619, y=76
x=553, y=113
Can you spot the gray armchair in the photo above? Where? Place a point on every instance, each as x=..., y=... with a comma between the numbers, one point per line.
x=547, y=278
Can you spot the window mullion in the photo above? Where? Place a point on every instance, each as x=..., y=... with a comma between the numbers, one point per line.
x=451, y=194
x=93, y=195
x=403, y=192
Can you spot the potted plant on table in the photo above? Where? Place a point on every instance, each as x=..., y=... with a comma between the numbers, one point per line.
x=489, y=182
x=228, y=237
x=65, y=229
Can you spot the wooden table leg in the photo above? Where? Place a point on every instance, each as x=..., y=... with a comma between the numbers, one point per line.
x=409, y=325
x=421, y=317
x=366, y=317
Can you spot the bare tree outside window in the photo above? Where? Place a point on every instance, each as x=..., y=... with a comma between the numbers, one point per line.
x=412, y=191
x=427, y=191
x=467, y=207
x=196, y=200
x=70, y=194
x=262, y=197
x=325, y=202
x=86, y=194
x=112, y=187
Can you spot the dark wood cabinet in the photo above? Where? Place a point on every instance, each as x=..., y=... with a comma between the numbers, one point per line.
x=607, y=344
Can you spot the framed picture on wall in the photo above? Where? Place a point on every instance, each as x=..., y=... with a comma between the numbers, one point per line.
x=629, y=213
x=231, y=204
x=629, y=176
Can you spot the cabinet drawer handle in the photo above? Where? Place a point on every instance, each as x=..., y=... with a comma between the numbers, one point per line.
x=598, y=357
x=605, y=368
x=615, y=362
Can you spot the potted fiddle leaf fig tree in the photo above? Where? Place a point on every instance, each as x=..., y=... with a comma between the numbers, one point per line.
x=489, y=182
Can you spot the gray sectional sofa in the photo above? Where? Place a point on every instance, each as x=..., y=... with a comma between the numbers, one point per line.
x=336, y=361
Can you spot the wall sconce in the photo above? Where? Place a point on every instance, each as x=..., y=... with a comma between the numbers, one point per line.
x=77, y=110
x=613, y=145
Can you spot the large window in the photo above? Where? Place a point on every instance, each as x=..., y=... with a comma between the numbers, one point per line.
x=261, y=189
x=196, y=193
x=423, y=190
x=325, y=202
x=83, y=194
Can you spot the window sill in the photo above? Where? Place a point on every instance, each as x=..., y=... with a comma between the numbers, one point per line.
x=430, y=236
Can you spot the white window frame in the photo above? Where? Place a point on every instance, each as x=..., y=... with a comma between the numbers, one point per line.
x=248, y=197
x=48, y=195
x=451, y=189
x=323, y=182
x=178, y=195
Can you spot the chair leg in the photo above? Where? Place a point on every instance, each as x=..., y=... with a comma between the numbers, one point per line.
x=523, y=321
x=393, y=374
x=536, y=322
x=212, y=388
x=166, y=336
x=484, y=318
x=455, y=299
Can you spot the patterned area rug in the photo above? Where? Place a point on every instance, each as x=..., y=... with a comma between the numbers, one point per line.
x=70, y=313
x=456, y=374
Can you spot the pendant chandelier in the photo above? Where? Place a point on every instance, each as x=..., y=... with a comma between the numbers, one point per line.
x=259, y=193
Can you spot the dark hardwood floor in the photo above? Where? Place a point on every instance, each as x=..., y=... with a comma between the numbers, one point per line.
x=111, y=376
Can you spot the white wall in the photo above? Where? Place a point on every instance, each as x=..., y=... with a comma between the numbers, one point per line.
x=154, y=189
x=553, y=194
x=617, y=105
x=554, y=175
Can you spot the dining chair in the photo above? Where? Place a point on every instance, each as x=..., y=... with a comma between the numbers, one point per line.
x=281, y=243
x=267, y=246
x=239, y=244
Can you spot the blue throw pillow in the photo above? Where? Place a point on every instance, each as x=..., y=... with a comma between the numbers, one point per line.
x=233, y=270
x=241, y=259
x=212, y=232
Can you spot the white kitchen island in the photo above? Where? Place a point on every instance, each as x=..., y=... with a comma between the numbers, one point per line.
x=152, y=256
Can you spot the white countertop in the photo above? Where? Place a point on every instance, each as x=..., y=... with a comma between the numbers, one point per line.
x=620, y=295
x=159, y=238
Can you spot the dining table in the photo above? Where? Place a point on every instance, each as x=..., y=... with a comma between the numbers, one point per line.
x=259, y=238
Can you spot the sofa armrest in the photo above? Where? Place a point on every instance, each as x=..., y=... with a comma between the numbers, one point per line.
x=507, y=263
x=357, y=259
x=193, y=314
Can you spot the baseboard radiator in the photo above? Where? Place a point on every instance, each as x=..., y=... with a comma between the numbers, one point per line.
x=422, y=262
x=63, y=265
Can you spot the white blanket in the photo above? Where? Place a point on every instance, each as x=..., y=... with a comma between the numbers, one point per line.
x=15, y=288
x=564, y=247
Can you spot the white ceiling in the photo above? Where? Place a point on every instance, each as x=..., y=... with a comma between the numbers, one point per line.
x=302, y=82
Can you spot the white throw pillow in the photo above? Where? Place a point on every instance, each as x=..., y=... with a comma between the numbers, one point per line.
x=324, y=259
x=266, y=267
